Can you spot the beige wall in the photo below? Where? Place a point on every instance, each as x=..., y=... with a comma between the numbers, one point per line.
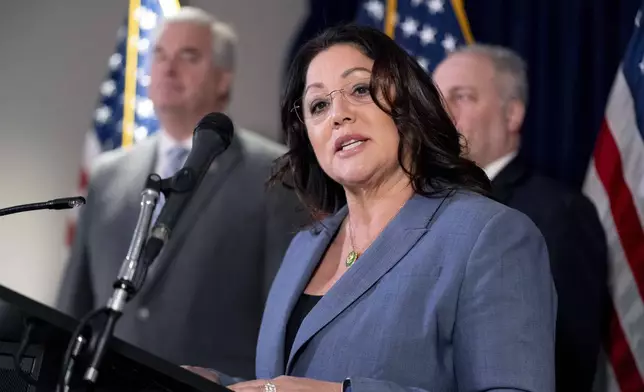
x=53, y=57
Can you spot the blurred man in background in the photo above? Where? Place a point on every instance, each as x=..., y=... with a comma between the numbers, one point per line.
x=486, y=90
x=203, y=298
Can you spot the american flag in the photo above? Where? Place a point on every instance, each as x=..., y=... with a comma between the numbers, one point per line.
x=615, y=184
x=426, y=29
x=124, y=113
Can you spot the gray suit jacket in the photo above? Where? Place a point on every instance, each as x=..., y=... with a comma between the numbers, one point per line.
x=204, y=295
x=455, y=295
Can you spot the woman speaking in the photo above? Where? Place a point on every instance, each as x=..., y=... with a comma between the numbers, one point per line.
x=412, y=279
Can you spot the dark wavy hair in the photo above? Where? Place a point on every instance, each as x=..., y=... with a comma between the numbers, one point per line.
x=427, y=133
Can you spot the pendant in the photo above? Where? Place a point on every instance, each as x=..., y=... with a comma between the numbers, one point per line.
x=351, y=258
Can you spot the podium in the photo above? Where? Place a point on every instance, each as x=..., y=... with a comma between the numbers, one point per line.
x=124, y=368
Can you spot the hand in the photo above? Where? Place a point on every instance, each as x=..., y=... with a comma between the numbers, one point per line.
x=288, y=384
x=203, y=372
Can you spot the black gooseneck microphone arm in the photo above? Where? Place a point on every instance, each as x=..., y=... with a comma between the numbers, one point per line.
x=55, y=204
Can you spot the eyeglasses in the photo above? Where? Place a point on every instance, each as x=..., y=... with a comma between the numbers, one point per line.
x=315, y=108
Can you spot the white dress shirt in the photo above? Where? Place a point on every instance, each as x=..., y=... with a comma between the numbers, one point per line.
x=494, y=168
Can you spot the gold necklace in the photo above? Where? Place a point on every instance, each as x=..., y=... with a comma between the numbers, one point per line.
x=353, y=255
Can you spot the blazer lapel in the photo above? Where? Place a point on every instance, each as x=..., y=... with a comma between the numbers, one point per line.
x=398, y=237
x=210, y=185
x=306, y=259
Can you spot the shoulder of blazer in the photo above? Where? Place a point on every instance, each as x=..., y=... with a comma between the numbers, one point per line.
x=520, y=180
x=109, y=161
x=119, y=164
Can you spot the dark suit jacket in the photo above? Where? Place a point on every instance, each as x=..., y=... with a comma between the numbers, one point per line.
x=203, y=298
x=578, y=257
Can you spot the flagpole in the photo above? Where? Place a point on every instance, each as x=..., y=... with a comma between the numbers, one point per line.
x=461, y=16
x=131, y=63
x=390, y=18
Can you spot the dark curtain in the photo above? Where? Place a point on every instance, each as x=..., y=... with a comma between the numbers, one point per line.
x=573, y=49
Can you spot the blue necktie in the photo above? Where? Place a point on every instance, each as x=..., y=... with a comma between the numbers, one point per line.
x=176, y=157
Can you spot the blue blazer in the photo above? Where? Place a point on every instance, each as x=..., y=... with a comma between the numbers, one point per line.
x=455, y=294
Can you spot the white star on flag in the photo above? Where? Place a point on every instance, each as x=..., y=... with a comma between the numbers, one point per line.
x=376, y=9
x=140, y=133
x=435, y=6
x=108, y=87
x=143, y=45
x=144, y=107
x=409, y=26
x=449, y=43
x=147, y=18
x=143, y=77
x=427, y=35
x=115, y=61
x=103, y=114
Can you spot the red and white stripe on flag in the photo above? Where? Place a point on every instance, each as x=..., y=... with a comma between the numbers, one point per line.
x=615, y=184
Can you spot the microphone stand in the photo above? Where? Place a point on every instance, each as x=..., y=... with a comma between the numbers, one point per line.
x=129, y=275
x=124, y=288
x=146, y=244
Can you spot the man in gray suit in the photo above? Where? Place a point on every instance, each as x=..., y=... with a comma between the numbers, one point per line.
x=203, y=298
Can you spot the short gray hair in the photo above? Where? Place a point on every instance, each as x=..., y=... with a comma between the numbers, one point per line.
x=506, y=63
x=224, y=39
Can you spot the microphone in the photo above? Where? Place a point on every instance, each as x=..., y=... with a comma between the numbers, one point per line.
x=55, y=204
x=211, y=138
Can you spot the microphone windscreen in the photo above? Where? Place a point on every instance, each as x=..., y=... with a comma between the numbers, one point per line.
x=218, y=122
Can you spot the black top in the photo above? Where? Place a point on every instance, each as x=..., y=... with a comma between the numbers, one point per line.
x=303, y=306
